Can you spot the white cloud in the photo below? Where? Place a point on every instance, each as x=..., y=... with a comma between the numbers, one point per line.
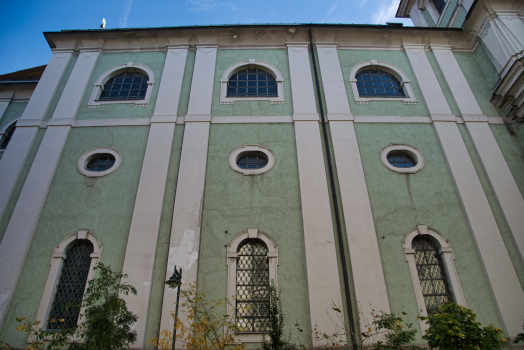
x=386, y=13
x=125, y=13
x=331, y=9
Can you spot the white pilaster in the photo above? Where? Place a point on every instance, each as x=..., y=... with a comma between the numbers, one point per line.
x=304, y=106
x=23, y=138
x=368, y=275
x=19, y=232
x=143, y=233
x=187, y=214
x=499, y=174
x=496, y=261
x=321, y=256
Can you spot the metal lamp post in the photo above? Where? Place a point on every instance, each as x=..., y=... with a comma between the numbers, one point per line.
x=175, y=282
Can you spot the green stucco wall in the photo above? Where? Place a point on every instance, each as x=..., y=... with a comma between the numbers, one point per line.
x=104, y=206
x=480, y=85
x=276, y=57
x=164, y=235
x=486, y=64
x=269, y=202
x=154, y=60
x=186, y=84
x=60, y=88
x=13, y=110
x=350, y=58
x=513, y=151
x=400, y=202
x=443, y=84
x=495, y=208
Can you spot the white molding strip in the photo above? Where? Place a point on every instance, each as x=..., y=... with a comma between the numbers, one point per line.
x=249, y=119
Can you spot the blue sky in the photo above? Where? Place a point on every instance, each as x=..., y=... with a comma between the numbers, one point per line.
x=22, y=22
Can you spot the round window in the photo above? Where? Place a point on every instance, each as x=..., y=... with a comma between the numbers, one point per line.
x=252, y=160
x=402, y=158
x=101, y=162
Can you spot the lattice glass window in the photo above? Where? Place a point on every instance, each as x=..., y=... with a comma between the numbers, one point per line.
x=431, y=272
x=378, y=83
x=401, y=160
x=125, y=86
x=252, y=160
x=252, y=297
x=101, y=162
x=71, y=285
x=7, y=136
x=252, y=83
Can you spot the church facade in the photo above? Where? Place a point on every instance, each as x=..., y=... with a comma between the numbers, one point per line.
x=371, y=167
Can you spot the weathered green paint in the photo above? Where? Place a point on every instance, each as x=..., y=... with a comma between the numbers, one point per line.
x=60, y=88
x=186, y=84
x=104, y=206
x=446, y=16
x=513, y=151
x=481, y=87
x=443, y=84
x=20, y=183
x=276, y=57
x=495, y=208
x=518, y=127
x=486, y=64
x=400, y=202
x=13, y=110
x=427, y=16
x=350, y=58
x=269, y=202
x=154, y=60
x=162, y=250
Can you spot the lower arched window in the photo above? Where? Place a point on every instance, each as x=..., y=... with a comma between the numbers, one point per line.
x=71, y=285
x=378, y=83
x=252, y=300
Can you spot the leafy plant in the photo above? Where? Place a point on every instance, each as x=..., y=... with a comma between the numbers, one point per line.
x=42, y=339
x=454, y=327
x=395, y=331
x=519, y=337
x=208, y=327
x=276, y=341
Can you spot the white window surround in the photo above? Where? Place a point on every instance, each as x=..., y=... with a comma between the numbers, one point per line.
x=6, y=127
x=87, y=156
x=108, y=74
x=251, y=63
x=56, y=268
x=446, y=254
x=409, y=99
x=410, y=150
x=434, y=13
x=232, y=256
x=251, y=148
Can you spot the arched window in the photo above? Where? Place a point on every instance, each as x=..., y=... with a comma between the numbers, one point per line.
x=252, y=259
x=71, y=267
x=378, y=83
x=252, y=83
x=435, y=279
x=374, y=80
x=251, y=80
x=126, y=83
x=431, y=272
x=71, y=285
x=8, y=134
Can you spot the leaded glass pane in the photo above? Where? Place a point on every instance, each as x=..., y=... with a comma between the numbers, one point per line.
x=125, y=86
x=255, y=160
x=101, y=162
x=252, y=300
x=257, y=81
x=401, y=160
x=431, y=273
x=378, y=83
x=71, y=285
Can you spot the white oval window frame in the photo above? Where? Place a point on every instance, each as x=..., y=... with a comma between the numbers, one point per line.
x=412, y=151
x=251, y=148
x=86, y=157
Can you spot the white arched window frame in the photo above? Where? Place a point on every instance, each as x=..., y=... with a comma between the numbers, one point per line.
x=232, y=256
x=409, y=99
x=251, y=64
x=108, y=74
x=446, y=253
x=5, y=129
x=56, y=268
